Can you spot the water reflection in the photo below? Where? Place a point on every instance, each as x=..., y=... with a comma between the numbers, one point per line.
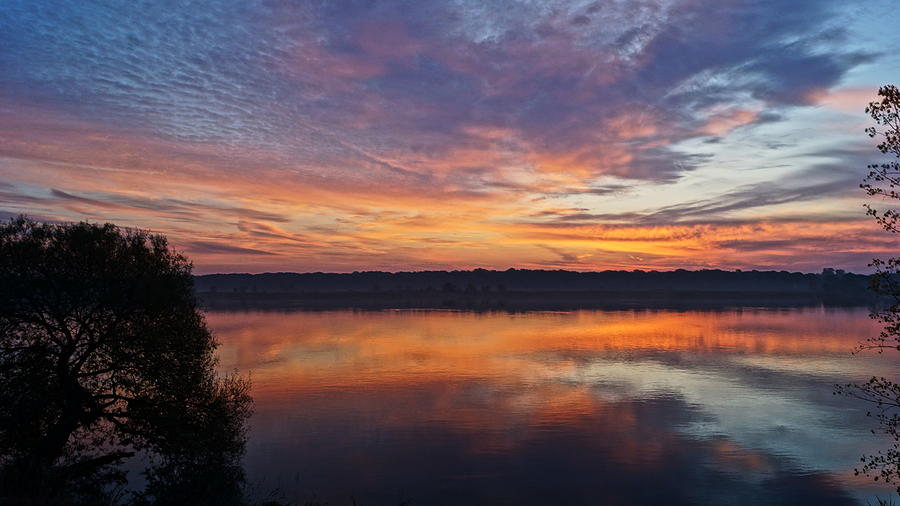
x=631, y=407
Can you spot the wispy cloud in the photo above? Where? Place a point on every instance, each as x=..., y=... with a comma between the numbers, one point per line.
x=406, y=134
x=205, y=247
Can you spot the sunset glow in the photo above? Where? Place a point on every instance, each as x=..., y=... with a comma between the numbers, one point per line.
x=280, y=136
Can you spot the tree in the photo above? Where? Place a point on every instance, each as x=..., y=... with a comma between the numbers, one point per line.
x=104, y=355
x=883, y=394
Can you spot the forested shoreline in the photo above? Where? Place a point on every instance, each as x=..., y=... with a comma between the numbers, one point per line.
x=533, y=289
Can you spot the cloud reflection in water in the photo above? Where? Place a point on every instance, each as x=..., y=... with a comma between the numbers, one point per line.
x=630, y=407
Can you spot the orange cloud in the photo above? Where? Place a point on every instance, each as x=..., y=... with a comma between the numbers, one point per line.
x=248, y=209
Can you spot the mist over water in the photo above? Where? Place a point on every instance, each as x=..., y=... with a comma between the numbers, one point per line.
x=612, y=407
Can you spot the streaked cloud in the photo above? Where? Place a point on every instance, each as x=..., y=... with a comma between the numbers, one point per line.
x=344, y=136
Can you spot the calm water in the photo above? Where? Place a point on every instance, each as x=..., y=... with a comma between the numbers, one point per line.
x=583, y=407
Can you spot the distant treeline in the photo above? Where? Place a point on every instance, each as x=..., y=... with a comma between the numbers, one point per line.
x=830, y=282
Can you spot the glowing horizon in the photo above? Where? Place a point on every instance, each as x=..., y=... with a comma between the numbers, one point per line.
x=266, y=136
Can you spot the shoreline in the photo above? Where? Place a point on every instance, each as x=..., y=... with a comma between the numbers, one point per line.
x=525, y=301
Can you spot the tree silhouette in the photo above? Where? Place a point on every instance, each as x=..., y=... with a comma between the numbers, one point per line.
x=882, y=393
x=104, y=355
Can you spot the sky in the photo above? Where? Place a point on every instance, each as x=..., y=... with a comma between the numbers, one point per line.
x=387, y=135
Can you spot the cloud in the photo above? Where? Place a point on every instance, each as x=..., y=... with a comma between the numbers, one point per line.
x=165, y=206
x=405, y=134
x=305, y=85
x=747, y=197
x=205, y=247
x=838, y=178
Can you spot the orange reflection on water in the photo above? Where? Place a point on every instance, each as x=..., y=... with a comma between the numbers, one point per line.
x=479, y=395
x=308, y=350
